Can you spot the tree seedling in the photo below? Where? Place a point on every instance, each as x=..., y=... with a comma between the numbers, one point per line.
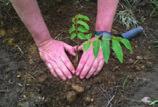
x=80, y=29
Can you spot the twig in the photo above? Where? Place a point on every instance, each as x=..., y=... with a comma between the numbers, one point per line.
x=109, y=102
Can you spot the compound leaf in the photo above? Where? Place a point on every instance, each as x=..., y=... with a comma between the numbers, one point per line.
x=83, y=17
x=86, y=45
x=88, y=36
x=72, y=29
x=126, y=43
x=105, y=44
x=81, y=36
x=73, y=35
x=96, y=47
x=82, y=29
x=84, y=24
x=117, y=49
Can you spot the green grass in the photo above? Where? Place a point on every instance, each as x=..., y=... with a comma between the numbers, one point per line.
x=127, y=18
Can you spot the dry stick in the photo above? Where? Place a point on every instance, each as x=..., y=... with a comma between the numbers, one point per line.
x=109, y=102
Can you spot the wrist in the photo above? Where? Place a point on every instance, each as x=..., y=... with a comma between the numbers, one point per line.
x=100, y=27
x=41, y=36
x=104, y=25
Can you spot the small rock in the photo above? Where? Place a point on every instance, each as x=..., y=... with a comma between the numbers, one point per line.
x=146, y=100
x=130, y=61
x=91, y=106
x=138, y=68
x=71, y=96
x=24, y=104
x=149, y=64
x=116, y=68
x=78, y=88
x=142, y=67
x=139, y=57
x=88, y=99
x=42, y=78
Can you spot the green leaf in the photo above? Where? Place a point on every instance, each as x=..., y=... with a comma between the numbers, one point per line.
x=153, y=102
x=73, y=35
x=72, y=29
x=117, y=49
x=82, y=29
x=81, y=36
x=88, y=36
x=84, y=24
x=83, y=17
x=126, y=43
x=96, y=47
x=105, y=44
x=73, y=19
x=86, y=45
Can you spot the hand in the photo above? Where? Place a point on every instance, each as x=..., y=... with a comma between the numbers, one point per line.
x=53, y=54
x=89, y=65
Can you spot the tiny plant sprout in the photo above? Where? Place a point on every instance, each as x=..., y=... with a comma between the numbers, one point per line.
x=149, y=101
x=80, y=29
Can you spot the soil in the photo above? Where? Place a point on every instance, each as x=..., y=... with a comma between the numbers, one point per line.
x=26, y=82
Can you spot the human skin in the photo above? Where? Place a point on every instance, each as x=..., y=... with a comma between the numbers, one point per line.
x=59, y=64
x=51, y=51
x=89, y=65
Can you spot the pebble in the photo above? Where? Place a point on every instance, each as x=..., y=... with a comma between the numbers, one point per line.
x=23, y=104
x=130, y=61
x=42, y=78
x=88, y=99
x=139, y=57
x=146, y=100
x=138, y=68
x=149, y=64
x=116, y=68
x=78, y=88
x=71, y=96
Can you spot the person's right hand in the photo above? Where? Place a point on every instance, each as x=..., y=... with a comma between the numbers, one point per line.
x=53, y=54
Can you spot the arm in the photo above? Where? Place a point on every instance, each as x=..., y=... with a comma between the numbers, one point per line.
x=30, y=14
x=89, y=65
x=59, y=64
x=105, y=14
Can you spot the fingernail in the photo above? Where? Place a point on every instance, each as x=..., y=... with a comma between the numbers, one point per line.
x=77, y=73
x=73, y=72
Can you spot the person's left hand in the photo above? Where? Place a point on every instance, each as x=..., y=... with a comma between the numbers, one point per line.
x=89, y=65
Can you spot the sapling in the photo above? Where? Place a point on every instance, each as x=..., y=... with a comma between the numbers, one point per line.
x=80, y=29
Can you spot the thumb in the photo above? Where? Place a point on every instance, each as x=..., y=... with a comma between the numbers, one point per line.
x=70, y=49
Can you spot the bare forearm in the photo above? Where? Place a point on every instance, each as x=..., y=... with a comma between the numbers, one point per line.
x=30, y=14
x=105, y=14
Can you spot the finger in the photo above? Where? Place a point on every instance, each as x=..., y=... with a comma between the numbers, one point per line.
x=58, y=71
x=87, y=67
x=70, y=49
x=80, y=48
x=93, y=68
x=100, y=66
x=50, y=67
x=75, y=47
x=68, y=63
x=64, y=69
x=43, y=56
x=82, y=62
